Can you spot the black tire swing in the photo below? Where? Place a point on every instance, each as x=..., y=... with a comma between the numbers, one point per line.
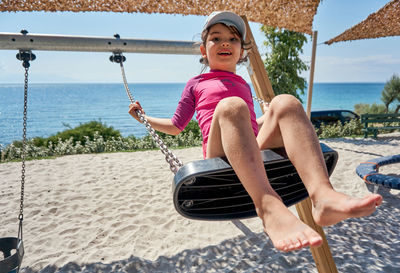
x=13, y=247
x=209, y=189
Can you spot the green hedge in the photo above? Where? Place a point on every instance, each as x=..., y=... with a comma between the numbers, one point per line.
x=96, y=137
x=349, y=129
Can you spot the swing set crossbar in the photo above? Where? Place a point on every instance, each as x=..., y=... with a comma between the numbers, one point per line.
x=49, y=42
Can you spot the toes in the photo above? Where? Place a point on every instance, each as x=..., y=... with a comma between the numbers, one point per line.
x=314, y=238
x=294, y=244
x=316, y=242
x=297, y=244
x=286, y=245
x=374, y=199
x=298, y=241
x=303, y=240
x=378, y=199
x=281, y=245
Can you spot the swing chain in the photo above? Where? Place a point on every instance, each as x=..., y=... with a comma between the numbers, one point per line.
x=261, y=101
x=25, y=57
x=174, y=162
x=23, y=154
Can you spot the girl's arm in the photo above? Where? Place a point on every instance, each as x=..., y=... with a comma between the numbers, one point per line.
x=260, y=121
x=164, y=125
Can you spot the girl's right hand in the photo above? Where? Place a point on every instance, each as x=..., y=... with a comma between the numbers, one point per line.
x=133, y=107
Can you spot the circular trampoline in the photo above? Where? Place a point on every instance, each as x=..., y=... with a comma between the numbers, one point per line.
x=369, y=172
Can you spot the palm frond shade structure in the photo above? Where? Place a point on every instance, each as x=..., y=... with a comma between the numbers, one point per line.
x=292, y=15
x=383, y=23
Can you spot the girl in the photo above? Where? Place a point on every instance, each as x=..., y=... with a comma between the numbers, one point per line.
x=225, y=113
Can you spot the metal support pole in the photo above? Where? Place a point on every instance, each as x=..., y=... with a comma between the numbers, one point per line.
x=25, y=41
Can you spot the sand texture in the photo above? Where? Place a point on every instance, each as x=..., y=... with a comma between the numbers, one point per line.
x=114, y=213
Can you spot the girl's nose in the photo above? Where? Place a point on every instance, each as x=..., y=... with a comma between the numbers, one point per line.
x=226, y=44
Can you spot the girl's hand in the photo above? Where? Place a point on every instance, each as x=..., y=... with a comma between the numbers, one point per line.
x=133, y=108
x=265, y=106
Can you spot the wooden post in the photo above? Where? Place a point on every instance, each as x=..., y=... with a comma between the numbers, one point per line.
x=311, y=81
x=258, y=74
x=262, y=86
x=322, y=255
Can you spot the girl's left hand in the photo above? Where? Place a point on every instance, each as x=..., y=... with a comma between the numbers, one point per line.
x=265, y=106
x=133, y=108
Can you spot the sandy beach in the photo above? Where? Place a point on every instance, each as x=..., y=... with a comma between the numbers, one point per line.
x=114, y=213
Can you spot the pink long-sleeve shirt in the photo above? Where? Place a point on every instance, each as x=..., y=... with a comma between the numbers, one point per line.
x=202, y=94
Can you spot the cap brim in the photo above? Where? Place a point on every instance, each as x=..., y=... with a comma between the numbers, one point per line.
x=227, y=18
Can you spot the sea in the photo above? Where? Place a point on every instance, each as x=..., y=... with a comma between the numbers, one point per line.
x=54, y=108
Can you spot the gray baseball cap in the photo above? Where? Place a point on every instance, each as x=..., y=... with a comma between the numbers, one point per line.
x=227, y=18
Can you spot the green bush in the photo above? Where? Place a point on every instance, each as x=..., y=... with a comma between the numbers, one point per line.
x=85, y=132
x=351, y=128
x=81, y=133
x=95, y=137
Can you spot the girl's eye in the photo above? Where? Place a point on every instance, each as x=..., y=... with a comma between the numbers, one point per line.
x=215, y=39
x=234, y=39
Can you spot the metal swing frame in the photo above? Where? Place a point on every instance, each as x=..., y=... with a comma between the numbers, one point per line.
x=322, y=255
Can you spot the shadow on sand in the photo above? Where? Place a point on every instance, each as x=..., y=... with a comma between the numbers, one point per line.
x=369, y=244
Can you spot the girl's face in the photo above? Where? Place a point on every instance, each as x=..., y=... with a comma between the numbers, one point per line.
x=222, y=49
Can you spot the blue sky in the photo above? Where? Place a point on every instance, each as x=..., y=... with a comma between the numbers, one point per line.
x=373, y=60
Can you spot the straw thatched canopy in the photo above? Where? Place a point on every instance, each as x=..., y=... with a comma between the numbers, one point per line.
x=292, y=15
x=385, y=22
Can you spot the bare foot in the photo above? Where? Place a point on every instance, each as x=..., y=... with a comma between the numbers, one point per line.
x=334, y=207
x=285, y=230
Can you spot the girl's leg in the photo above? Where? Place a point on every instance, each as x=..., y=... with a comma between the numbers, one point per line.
x=231, y=135
x=286, y=124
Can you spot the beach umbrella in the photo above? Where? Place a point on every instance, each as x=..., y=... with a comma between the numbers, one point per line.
x=383, y=23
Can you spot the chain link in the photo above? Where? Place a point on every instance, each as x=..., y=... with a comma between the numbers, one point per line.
x=25, y=57
x=173, y=161
x=260, y=100
x=23, y=154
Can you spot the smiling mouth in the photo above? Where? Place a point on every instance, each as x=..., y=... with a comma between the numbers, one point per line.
x=224, y=53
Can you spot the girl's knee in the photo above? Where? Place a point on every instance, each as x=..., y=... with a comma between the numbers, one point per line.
x=232, y=107
x=285, y=104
